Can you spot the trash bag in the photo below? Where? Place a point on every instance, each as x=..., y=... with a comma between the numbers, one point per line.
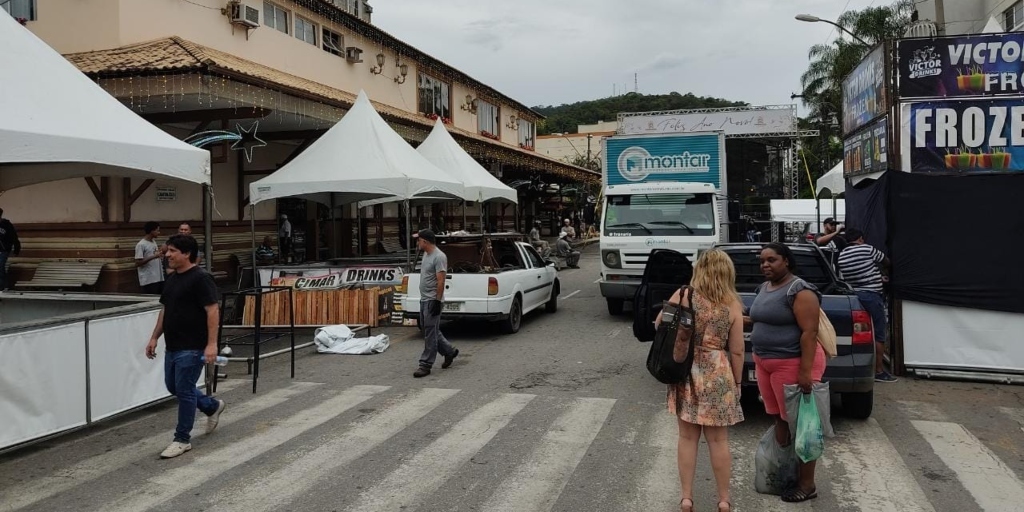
x=822, y=399
x=776, y=469
x=371, y=345
x=810, y=441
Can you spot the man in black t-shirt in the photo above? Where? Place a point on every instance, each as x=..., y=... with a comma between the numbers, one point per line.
x=188, y=323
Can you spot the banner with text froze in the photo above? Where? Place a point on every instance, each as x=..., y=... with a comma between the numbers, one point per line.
x=864, y=91
x=959, y=66
x=955, y=136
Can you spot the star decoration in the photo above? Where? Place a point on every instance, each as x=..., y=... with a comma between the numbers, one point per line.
x=248, y=140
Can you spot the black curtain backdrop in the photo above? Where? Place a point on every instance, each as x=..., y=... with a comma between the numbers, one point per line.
x=956, y=240
x=867, y=208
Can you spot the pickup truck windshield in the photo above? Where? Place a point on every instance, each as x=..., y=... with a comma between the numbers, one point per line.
x=660, y=214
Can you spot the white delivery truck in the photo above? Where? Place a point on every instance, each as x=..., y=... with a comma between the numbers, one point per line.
x=665, y=191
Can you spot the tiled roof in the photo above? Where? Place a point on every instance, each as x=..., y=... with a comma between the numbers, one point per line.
x=176, y=55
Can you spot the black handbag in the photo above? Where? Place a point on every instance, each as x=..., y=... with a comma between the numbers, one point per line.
x=671, y=355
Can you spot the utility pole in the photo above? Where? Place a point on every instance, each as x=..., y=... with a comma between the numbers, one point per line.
x=940, y=17
x=589, y=136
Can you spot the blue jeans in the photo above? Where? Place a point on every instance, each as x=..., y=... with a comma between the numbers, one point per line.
x=181, y=371
x=3, y=270
x=874, y=304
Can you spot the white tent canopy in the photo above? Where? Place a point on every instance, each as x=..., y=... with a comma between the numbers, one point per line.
x=360, y=158
x=832, y=181
x=441, y=149
x=802, y=210
x=56, y=123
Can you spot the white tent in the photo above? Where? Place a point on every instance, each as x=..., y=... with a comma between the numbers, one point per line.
x=56, y=123
x=360, y=158
x=802, y=210
x=832, y=181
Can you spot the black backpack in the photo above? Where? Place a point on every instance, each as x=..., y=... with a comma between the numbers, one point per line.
x=671, y=355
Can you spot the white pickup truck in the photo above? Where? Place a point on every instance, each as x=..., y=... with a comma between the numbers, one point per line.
x=499, y=285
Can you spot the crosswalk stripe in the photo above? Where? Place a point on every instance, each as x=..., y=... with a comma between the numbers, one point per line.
x=922, y=410
x=989, y=480
x=659, y=487
x=169, y=484
x=539, y=481
x=432, y=466
x=875, y=478
x=99, y=465
x=274, y=491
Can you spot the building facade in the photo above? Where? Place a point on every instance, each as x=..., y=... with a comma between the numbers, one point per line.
x=278, y=72
x=953, y=17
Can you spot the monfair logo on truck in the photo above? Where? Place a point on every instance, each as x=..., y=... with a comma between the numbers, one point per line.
x=636, y=163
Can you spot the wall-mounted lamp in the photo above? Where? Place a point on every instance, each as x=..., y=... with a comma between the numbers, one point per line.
x=403, y=70
x=379, y=68
x=470, y=104
x=513, y=122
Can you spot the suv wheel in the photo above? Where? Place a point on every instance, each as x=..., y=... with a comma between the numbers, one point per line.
x=858, y=405
x=615, y=306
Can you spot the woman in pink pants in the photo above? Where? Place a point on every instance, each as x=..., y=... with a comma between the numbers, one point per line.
x=786, y=350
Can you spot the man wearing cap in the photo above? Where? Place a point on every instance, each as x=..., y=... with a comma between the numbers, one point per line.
x=572, y=257
x=433, y=268
x=832, y=239
x=568, y=229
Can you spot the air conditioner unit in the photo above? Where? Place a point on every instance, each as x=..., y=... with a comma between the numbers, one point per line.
x=353, y=54
x=242, y=14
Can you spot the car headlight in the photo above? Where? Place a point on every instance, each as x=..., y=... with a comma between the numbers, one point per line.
x=611, y=258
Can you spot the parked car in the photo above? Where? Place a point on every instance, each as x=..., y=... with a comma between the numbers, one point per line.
x=503, y=287
x=851, y=374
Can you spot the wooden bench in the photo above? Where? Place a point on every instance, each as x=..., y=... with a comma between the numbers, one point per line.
x=62, y=275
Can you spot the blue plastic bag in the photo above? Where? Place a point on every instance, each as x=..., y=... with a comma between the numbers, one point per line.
x=810, y=439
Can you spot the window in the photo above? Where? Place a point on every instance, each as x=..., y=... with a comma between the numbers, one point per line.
x=20, y=8
x=527, y=134
x=1013, y=16
x=435, y=97
x=660, y=215
x=333, y=43
x=488, y=119
x=305, y=30
x=535, y=258
x=275, y=17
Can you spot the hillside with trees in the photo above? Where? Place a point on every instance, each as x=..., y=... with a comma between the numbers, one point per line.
x=565, y=118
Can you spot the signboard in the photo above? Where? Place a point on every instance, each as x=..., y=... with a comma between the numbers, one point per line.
x=864, y=91
x=866, y=151
x=166, y=194
x=741, y=121
x=956, y=136
x=328, y=278
x=695, y=158
x=959, y=66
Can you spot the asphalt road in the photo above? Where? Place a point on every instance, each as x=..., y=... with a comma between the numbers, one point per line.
x=561, y=416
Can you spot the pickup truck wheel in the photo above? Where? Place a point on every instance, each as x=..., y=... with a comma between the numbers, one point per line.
x=515, y=317
x=552, y=305
x=615, y=306
x=858, y=405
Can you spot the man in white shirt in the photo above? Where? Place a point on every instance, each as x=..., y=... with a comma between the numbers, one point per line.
x=148, y=260
x=284, y=238
x=568, y=229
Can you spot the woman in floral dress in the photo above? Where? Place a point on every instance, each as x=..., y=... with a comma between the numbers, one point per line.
x=709, y=400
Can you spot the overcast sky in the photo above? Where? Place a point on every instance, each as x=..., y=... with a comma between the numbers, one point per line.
x=549, y=52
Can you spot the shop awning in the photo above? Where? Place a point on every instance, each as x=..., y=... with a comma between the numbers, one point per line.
x=56, y=123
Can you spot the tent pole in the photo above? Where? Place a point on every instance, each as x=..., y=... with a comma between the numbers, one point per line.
x=359, y=230
x=334, y=229
x=252, y=229
x=408, y=237
x=464, y=225
x=482, y=205
x=208, y=227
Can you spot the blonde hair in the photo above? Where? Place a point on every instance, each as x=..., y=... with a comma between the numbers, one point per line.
x=714, y=278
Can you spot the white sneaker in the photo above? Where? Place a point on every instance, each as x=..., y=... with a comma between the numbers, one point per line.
x=213, y=419
x=176, y=448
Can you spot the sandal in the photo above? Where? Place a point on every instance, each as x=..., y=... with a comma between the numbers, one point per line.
x=683, y=505
x=798, y=495
x=726, y=508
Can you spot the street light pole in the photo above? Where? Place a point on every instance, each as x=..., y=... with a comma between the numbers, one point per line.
x=589, y=136
x=814, y=19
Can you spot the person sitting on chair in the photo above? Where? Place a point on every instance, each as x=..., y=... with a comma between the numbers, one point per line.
x=572, y=257
x=536, y=241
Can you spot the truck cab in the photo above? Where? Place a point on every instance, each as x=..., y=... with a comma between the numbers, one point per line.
x=639, y=218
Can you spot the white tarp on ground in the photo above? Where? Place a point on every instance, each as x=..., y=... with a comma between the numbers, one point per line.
x=360, y=158
x=802, y=210
x=339, y=339
x=56, y=123
x=441, y=150
x=832, y=181
x=946, y=337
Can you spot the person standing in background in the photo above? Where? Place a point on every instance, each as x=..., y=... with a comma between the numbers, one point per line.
x=859, y=264
x=147, y=260
x=568, y=229
x=9, y=245
x=433, y=269
x=284, y=239
x=186, y=229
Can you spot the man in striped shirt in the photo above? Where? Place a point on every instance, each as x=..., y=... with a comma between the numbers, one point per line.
x=859, y=266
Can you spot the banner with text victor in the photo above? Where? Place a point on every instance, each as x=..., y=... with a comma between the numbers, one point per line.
x=958, y=66
x=950, y=136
